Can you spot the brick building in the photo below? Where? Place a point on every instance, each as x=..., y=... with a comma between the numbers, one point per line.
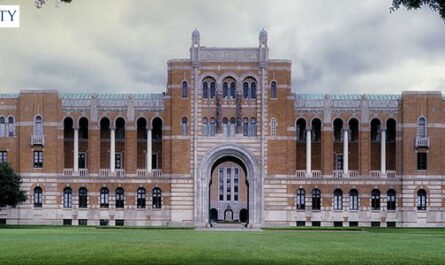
x=228, y=140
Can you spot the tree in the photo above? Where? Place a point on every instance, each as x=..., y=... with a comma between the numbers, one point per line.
x=40, y=3
x=436, y=5
x=10, y=193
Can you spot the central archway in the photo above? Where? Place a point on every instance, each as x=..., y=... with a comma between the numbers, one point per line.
x=253, y=173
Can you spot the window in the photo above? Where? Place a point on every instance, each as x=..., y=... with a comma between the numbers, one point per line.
x=184, y=126
x=375, y=224
x=338, y=199
x=421, y=199
x=154, y=161
x=38, y=126
x=422, y=161
x=212, y=127
x=184, y=89
x=3, y=156
x=301, y=130
x=119, y=222
x=119, y=198
x=212, y=89
x=104, y=198
x=67, y=221
x=245, y=90
x=83, y=221
x=338, y=224
x=375, y=200
x=157, y=198
x=205, y=90
x=353, y=199
x=253, y=90
x=391, y=224
x=38, y=159
x=253, y=127
x=229, y=184
x=221, y=184
x=232, y=128
x=232, y=90
x=225, y=127
x=301, y=223
x=103, y=222
x=38, y=197
x=141, y=198
x=338, y=131
x=225, y=90
x=316, y=200
x=273, y=89
x=82, y=160
x=2, y=127
x=205, y=127
x=67, y=198
x=11, y=126
x=235, y=184
x=83, y=198
x=421, y=131
x=316, y=223
x=353, y=224
x=391, y=200
x=376, y=134
x=245, y=127
x=118, y=161
x=316, y=131
x=273, y=127
x=301, y=198
x=120, y=129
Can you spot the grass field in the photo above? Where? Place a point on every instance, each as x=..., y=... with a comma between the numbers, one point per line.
x=88, y=245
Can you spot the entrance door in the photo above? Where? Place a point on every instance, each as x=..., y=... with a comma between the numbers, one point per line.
x=228, y=215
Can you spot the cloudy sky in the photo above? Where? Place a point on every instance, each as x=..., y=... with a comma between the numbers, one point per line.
x=346, y=46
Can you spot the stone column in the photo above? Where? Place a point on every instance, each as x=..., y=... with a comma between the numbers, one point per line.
x=308, y=152
x=112, y=151
x=76, y=150
x=383, y=153
x=345, y=152
x=148, y=154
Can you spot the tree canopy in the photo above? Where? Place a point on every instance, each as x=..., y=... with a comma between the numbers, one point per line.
x=10, y=193
x=436, y=5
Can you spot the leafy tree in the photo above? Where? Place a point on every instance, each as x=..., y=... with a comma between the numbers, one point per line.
x=436, y=5
x=10, y=193
x=40, y=3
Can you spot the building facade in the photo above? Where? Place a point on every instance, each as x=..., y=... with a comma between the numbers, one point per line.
x=227, y=141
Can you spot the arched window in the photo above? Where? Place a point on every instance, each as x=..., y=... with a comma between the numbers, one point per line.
x=120, y=129
x=245, y=90
x=67, y=198
x=225, y=127
x=391, y=200
x=119, y=198
x=184, y=126
x=232, y=90
x=338, y=199
x=421, y=199
x=232, y=128
x=338, y=131
x=316, y=199
x=205, y=90
x=11, y=126
x=225, y=90
x=316, y=131
x=253, y=127
x=157, y=198
x=353, y=199
x=212, y=127
x=253, y=90
x=2, y=127
x=83, y=198
x=301, y=130
x=353, y=130
x=391, y=131
x=376, y=134
x=184, y=89
x=273, y=89
x=375, y=199
x=205, y=127
x=141, y=198
x=38, y=126
x=38, y=197
x=212, y=89
x=273, y=127
x=245, y=127
x=301, y=198
x=104, y=198
x=421, y=128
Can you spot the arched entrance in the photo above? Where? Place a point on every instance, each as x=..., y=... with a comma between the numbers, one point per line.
x=210, y=161
x=228, y=189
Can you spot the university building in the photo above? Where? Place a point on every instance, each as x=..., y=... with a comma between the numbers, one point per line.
x=229, y=140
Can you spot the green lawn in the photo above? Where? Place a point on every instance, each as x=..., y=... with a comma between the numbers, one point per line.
x=88, y=245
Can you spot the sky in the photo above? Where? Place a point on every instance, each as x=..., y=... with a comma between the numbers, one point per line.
x=115, y=46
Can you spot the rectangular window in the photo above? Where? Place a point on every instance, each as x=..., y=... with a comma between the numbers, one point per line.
x=119, y=222
x=83, y=221
x=103, y=222
x=316, y=223
x=2, y=221
x=82, y=160
x=375, y=224
x=229, y=184
x=154, y=161
x=338, y=224
x=67, y=222
x=221, y=184
x=421, y=161
x=353, y=224
x=301, y=223
x=391, y=224
x=235, y=184
x=3, y=156
x=38, y=159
